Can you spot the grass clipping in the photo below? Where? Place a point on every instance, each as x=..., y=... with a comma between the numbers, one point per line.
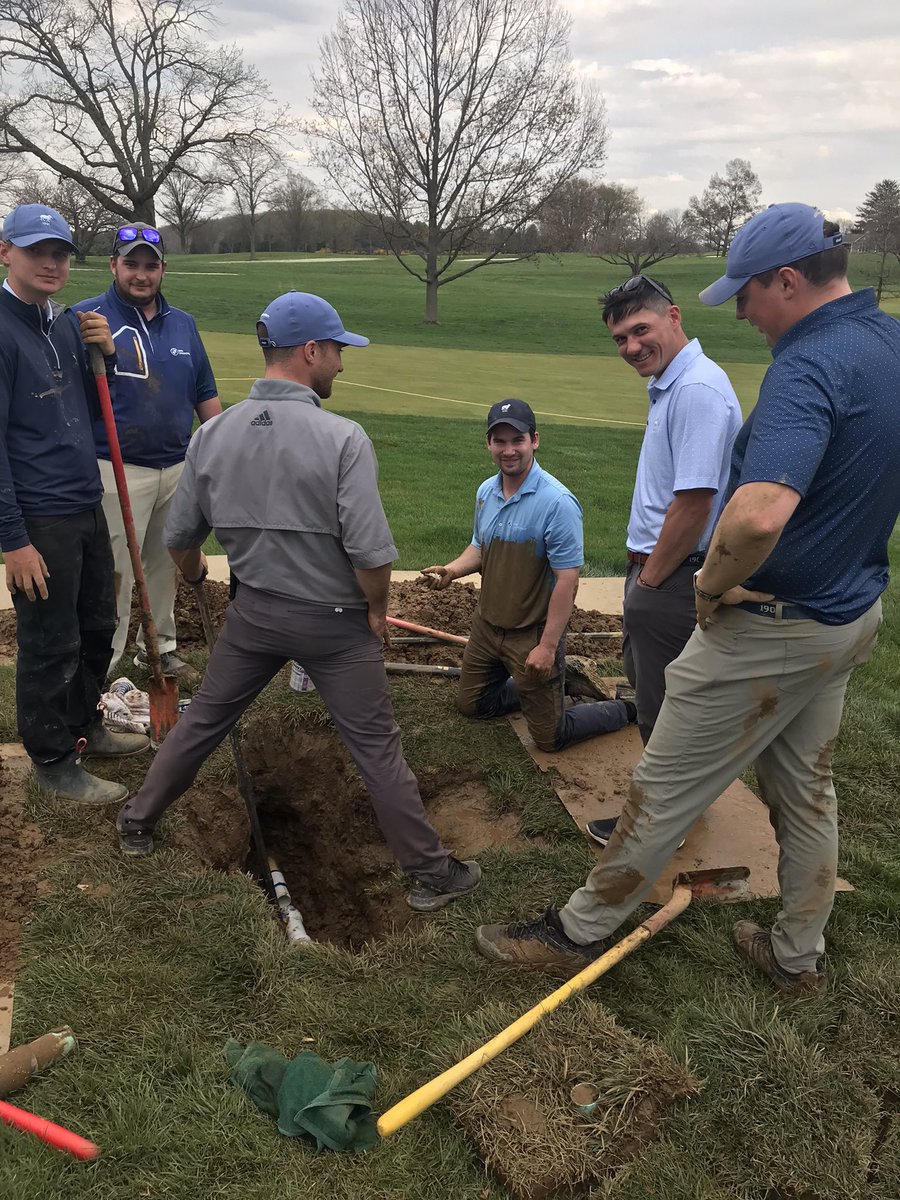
x=520, y=1112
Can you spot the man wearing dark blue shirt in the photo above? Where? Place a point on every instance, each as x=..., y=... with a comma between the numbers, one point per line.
x=163, y=378
x=52, y=530
x=788, y=602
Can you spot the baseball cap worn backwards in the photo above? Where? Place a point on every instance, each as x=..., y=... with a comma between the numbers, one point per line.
x=32, y=223
x=780, y=234
x=300, y=317
x=512, y=412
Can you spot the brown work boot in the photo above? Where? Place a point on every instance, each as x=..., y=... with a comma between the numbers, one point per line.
x=755, y=944
x=538, y=945
x=583, y=679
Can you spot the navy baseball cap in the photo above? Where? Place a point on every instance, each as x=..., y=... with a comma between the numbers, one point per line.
x=780, y=234
x=32, y=223
x=512, y=412
x=300, y=317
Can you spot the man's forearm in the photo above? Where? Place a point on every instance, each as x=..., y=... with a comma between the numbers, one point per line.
x=747, y=533
x=376, y=585
x=681, y=531
x=559, y=610
x=188, y=562
x=466, y=564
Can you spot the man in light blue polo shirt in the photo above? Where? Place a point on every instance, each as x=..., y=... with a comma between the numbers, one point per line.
x=528, y=545
x=682, y=474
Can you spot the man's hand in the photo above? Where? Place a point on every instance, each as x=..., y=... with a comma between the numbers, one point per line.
x=379, y=626
x=539, y=664
x=95, y=332
x=194, y=572
x=26, y=572
x=436, y=578
x=735, y=595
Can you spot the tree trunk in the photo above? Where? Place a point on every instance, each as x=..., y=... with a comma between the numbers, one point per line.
x=431, y=285
x=252, y=241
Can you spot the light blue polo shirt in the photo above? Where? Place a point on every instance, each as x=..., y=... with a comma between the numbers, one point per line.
x=522, y=540
x=693, y=420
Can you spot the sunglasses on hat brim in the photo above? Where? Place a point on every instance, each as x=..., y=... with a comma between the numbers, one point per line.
x=632, y=285
x=129, y=233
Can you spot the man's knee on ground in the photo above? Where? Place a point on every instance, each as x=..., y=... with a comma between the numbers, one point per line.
x=467, y=706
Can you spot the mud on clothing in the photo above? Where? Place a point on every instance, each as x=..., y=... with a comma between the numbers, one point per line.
x=522, y=540
x=162, y=374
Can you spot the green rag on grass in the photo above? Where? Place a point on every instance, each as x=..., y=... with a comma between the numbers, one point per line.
x=331, y=1105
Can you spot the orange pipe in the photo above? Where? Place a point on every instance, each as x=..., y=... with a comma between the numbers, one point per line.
x=54, y=1135
x=438, y=633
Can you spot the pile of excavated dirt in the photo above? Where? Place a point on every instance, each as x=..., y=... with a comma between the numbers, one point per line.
x=21, y=861
x=319, y=826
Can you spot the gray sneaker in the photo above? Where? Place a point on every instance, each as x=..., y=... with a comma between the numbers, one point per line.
x=431, y=892
x=69, y=780
x=134, y=843
x=171, y=665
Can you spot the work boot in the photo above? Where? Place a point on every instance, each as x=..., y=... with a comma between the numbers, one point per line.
x=431, y=892
x=755, y=944
x=624, y=691
x=105, y=743
x=69, y=780
x=583, y=680
x=171, y=665
x=134, y=842
x=538, y=945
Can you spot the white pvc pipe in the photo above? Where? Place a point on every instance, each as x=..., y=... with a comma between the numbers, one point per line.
x=290, y=915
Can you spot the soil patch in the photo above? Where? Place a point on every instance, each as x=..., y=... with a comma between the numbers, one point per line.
x=21, y=861
x=319, y=825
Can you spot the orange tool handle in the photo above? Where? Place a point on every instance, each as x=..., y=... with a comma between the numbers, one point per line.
x=53, y=1135
x=438, y=633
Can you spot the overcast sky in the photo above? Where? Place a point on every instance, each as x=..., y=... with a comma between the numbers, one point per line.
x=807, y=90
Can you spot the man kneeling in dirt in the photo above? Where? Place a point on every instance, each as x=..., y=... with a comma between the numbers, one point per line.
x=528, y=545
x=292, y=493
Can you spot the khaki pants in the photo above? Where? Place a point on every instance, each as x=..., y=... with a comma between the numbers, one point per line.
x=150, y=492
x=748, y=689
x=493, y=681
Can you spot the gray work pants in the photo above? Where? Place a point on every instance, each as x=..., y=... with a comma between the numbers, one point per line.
x=343, y=658
x=748, y=689
x=656, y=624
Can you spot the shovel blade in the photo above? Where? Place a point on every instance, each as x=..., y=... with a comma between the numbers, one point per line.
x=163, y=708
x=724, y=884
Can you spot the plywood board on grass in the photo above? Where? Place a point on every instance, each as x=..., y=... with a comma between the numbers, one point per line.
x=591, y=779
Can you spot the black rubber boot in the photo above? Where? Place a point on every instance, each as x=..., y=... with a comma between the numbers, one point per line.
x=68, y=779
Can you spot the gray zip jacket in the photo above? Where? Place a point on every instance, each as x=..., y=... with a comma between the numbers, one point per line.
x=291, y=491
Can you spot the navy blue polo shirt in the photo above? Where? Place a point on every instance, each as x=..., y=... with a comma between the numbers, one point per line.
x=162, y=374
x=828, y=425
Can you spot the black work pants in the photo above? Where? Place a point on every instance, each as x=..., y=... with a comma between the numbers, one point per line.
x=65, y=641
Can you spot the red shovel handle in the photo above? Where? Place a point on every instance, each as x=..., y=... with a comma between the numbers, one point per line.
x=53, y=1135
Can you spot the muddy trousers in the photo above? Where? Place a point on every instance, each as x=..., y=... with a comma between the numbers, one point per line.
x=343, y=658
x=150, y=492
x=656, y=624
x=493, y=682
x=64, y=641
x=748, y=689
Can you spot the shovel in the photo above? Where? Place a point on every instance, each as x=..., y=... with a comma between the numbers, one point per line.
x=723, y=884
x=163, y=689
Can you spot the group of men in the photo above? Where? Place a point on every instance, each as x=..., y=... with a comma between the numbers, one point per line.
x=773, y=535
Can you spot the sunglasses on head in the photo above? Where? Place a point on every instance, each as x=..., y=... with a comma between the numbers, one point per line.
x=632, y=285
x=128, y=233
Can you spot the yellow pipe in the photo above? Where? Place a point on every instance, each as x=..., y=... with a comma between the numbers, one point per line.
x=416, y=1102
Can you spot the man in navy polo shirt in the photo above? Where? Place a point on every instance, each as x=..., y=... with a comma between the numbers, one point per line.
x=163, y=378
x=814, y=497
x=52, y=530
x=528, y=545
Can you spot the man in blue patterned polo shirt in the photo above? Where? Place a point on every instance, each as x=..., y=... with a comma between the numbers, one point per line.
x=788, y=602
x=528, y=545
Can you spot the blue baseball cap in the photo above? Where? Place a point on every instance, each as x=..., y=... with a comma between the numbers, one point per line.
x=300, y=317
x=780, y=234
x=32, y=223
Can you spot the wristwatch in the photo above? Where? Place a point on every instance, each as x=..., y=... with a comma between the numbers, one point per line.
x=710, y=599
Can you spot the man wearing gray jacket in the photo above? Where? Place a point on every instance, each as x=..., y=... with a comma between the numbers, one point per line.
x=292, y=493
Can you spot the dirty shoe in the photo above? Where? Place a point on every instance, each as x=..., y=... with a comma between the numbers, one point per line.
x=134, y=842
x=172, y=664
x=431, y=892
x=105, y=743
x=583, y=680
x=755, y=944
x=69, y=780
x=538, y=945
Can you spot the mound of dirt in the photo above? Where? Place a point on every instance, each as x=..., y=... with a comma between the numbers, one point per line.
x=21, y=861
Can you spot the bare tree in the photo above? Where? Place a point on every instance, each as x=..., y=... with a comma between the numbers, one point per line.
x=644, y=241
x=452, y=121
x=295, y=199
x=251, y=168
x=726, y=203
x=878, y=220
x=185, y=199
x=114, y=96
x=583, y=215
x=90, y=223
